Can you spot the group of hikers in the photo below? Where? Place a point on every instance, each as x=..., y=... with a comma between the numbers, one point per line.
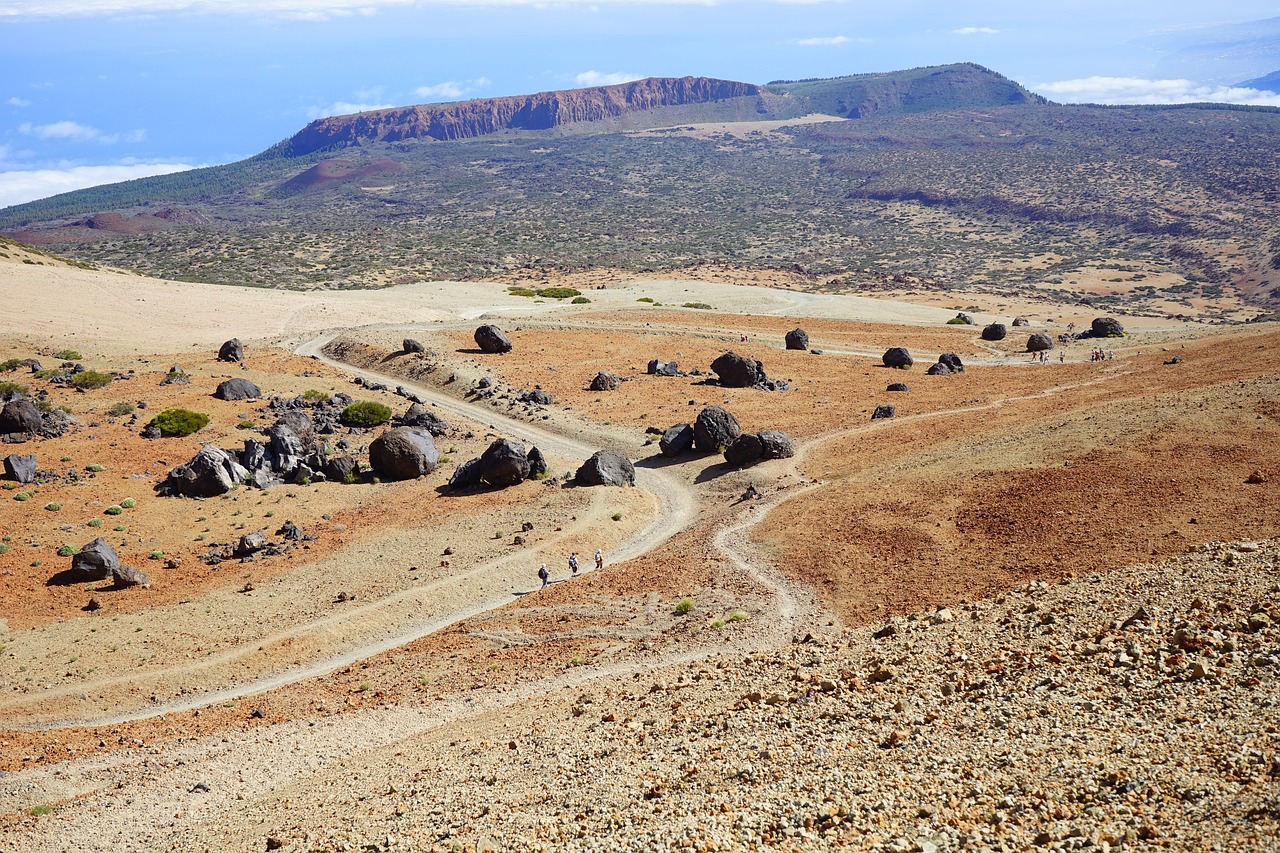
x=544, y=574
x=1101, y=355
x=1042, y=357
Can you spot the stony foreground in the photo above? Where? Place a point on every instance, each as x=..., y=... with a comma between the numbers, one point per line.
x=1123, y=711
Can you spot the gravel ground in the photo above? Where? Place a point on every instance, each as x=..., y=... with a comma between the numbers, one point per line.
x=1118, y=711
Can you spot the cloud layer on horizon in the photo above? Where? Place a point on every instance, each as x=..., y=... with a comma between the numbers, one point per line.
x=1137, y=90
x=20, y=186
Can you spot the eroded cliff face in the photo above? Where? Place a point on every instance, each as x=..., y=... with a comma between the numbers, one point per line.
x=525, y=112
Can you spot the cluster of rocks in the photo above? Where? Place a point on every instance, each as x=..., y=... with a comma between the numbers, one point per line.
x=98, y=561
x=251, y=546
x=738, y=371
x=657, y=367
x=948, y=363
x=504, y=463
x=21, y=420
x=716, y=430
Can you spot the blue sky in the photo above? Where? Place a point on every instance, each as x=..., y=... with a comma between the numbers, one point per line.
x=95, y=91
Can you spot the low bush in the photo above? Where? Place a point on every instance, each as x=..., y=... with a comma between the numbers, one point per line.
x=648, y=299
x=119, y=410
x=13, y=388
x=23, y=496
x=956, y=321
x=315, y=395
x=701, y=306
x=579, y=300
x=685, y=606
x=175, y=423
x=53, y=506
x=521, y=291
x=91, y=379
x=68, y=551
x=558, y=292
x=114, y=509
x=10, y=364
x=95, y=468
x=67, y=355
x=95, y=522
x=128, y=503
x=365, y=413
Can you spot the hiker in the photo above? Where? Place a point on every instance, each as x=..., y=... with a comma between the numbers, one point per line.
x=573, y=564
x=544, y=575
x=599, y=559
x=1062, y=357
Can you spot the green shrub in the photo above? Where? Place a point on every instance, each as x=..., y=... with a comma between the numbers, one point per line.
x=701, y=306
x=68, y=551
x=685, y=606
x=365, y=413
x=579, y=300
x=128, y=503
x=114, y=509
x=40, y=811
x=10, y=364
x=119, y=528
x=315, y=395
x=175, y=423
x=956, y=321
x=119, y=410
x=14, y=388
x=648, y=299
x=156, y=555
x=4, y=549
x=91, y=379
x=10, y=486
x=558, y=292
x=617, y=516
x=53, y=506
x=68, y=355
x=95, y=522
x=521, y=291
x=94, y=468
x=717, y=623
x=737, y=616
x=23, y=496
x=246, y=425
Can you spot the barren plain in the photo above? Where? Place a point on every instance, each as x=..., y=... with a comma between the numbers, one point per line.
x=1036, y=607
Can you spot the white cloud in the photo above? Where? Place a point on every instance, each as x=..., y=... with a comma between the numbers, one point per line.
x=600, y=78
x=452, y=90
x=975, y=31
x=18, y=102
x=344, y=108
x=31, y=184
x=824, y=41
x=74, y=131
x=1137, y=90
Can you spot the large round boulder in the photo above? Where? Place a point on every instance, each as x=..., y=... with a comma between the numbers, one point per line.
x=20, y=468
x=1021, y=321
x=897, y=357
x=676, y=440
x=20, y=416
x=994, y=332
x=744, y=450
x=403, y=453
x=776, y=444
x=211, y=472
x=939, y=369
x=797, y=339
x=491, y=339
x=884, y=410
x=232, y=350
x=606, y=468
x=715, y=429
x=342, y=469
x=738, y=371
x=237, y=389
x=504, y=463
x=1106, y=327
x=605, y=381
x=1039, y=342
x=95, y=561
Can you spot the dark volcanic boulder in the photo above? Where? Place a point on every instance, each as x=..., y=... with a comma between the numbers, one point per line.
x=342, y=469
x=884, y=410
x=776, y=445
x=420, y=416
x=939, y=369
x=492, y=339
x=536, y=397
x=714, y=430
x=897, y=357
x=95, y=561
x=403, y=453
x=797, y=339
x=898, y=386
x=20, y=468
x=952, y=361
x=965, y=319
x=409, y=345
x=1038, y=342
x=210, y=472
x=232, y=350
x=127, y=576
x=663, y=368
x=738, y=371
x=20, y=416
x=1021, y=321
x=606, y=468
x=537, y=464
x=466, y=475
x=1106, y=327
x=605, y=381
x=744, y=450
x=676, y=440
x=994, y=332
x=237, y=389
x=504, y=463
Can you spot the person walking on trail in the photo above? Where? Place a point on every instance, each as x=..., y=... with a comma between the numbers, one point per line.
x=544, y=575
x=573, y=564
x=599, y=559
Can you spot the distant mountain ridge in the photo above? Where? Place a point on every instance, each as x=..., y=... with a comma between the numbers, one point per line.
x=1266, y=83
x=541, y=111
